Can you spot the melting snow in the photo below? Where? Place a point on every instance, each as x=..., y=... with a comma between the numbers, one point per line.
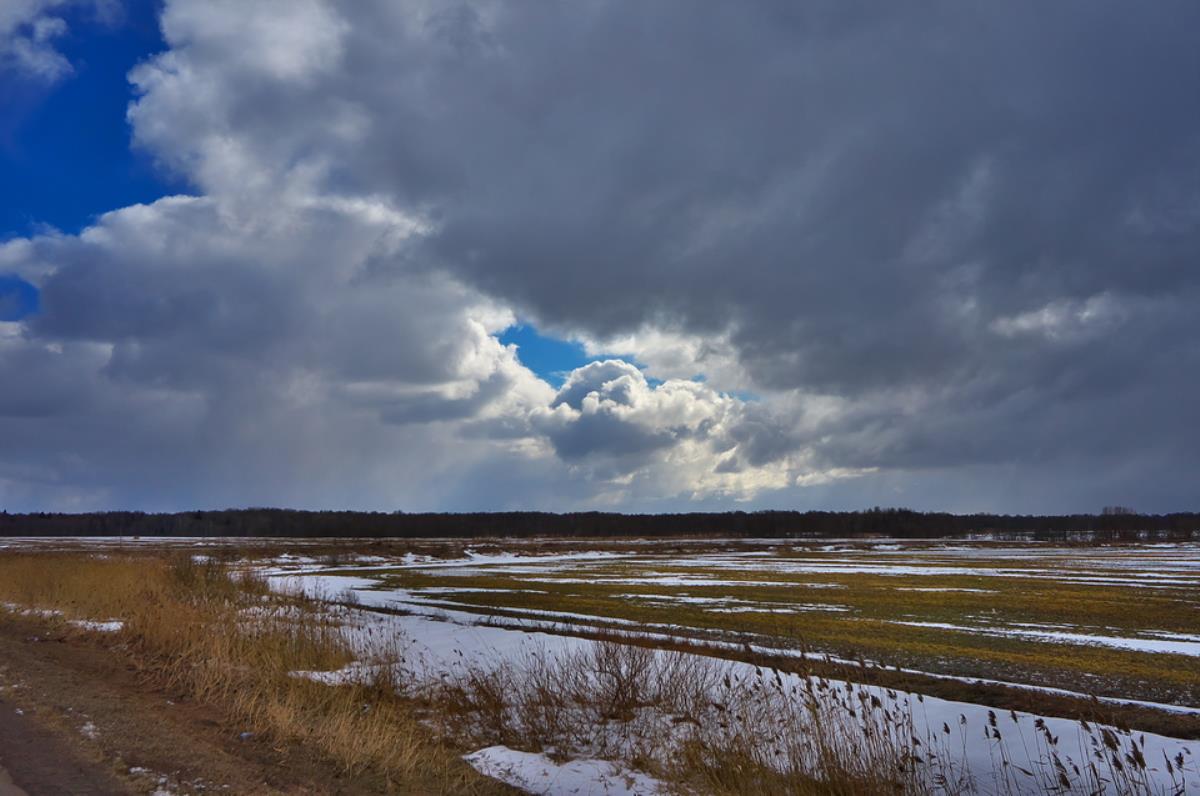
x=539, y=774
x=1115, y=642
x=111, y=626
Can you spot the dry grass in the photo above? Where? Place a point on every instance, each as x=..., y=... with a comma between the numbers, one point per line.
x=223, y=639
x=710, y=727
x=698, y=723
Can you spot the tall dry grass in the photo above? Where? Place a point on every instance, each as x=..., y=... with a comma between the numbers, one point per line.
x=707, y=726
x=223, y=638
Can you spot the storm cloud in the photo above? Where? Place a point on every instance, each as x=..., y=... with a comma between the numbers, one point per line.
x=940, y=256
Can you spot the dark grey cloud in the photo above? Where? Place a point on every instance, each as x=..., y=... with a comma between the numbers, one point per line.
x=758, y=157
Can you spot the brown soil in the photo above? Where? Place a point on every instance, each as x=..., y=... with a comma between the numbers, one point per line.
x=89, y=724
x=40, y=761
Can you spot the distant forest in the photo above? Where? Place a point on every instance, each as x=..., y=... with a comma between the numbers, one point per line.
x=1113, y=523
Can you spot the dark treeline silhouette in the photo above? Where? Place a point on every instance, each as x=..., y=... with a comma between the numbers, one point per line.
x=902, y=523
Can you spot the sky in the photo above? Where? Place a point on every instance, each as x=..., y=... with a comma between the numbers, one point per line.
x=491, y=255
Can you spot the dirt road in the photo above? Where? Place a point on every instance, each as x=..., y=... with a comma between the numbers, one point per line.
x=36, y=761
x=7, y=787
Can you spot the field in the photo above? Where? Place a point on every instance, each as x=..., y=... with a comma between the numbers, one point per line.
x=1093, y=647
x=1112, y=621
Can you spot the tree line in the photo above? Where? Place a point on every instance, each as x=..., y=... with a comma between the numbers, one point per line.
x=901, y=523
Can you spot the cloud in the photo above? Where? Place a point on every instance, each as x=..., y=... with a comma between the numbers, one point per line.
x=30, y=30
x=1064, y=319
x=609, y=409
x=677, y=437
x=27, y=37
x=897, y=243
x=185, y=355
x=189, y=354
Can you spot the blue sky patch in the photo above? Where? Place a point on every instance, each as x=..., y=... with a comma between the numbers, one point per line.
x=65, y=154
x=549, y=357
x=553, y=358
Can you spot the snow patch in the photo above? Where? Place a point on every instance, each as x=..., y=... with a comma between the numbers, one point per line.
x=111, y=626
x=1115, y=642
x=538, y=774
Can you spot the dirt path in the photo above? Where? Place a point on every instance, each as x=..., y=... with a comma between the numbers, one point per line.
x=36, y=760
x=8, y=787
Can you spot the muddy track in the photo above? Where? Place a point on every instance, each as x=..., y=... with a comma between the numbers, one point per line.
x=40, y=762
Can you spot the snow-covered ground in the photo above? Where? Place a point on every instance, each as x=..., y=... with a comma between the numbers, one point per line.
x=537, y=773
